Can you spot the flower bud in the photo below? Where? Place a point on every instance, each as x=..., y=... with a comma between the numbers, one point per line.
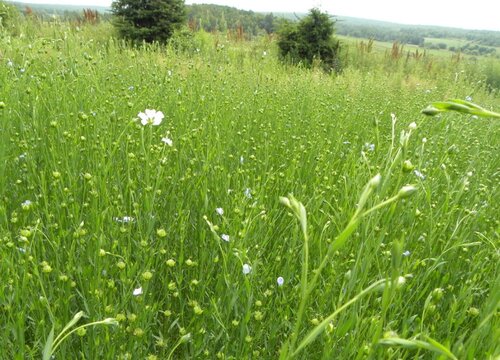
x=406, y=191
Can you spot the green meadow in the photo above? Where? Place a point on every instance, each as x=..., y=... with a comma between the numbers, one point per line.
x=273, y=212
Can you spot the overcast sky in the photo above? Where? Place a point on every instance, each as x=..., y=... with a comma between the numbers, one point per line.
x=477, y=14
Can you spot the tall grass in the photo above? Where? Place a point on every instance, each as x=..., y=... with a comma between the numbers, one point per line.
x=98, y=214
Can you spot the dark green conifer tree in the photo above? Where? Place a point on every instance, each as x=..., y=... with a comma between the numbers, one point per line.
x=310, y=39
x=148, y=20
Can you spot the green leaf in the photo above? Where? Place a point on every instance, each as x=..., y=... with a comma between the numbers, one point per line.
x=47, y=349
x=70, y=324
x=458, y=105
x=431, y=345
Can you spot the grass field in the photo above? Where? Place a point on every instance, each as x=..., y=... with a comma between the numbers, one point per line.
x=274, y=211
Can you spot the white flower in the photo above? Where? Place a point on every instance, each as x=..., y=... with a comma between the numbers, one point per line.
x=468, y=98
x=10, y=63
x=219, y=211
x=248, y=193
x=137, y=291
x=264, y=53
x=424, y=140
x=167, y=141
x=151, y=117
x=242, y=159
x=225, y=237
x=419, y=174
x=412, y=126
x=280, y=281
x=246, y=269
x=370, y=147
x=125, y=219
x=406, y=253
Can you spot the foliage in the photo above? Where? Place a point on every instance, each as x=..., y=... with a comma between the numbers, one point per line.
x=458, y=105
x=492, y=73
x=412, y=34
x=9, y=16
x=309, y=40
x=176, y=231
x=217, y=18
x=148, y=20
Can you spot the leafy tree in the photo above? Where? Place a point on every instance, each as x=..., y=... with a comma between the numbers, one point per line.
x=148, y=20
x=310, y=40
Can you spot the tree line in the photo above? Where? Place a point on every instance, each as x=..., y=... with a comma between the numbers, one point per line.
x=217, y=18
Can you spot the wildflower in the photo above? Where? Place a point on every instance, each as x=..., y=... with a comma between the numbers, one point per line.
x=248, y=193
x=225, y=237
x=370, y=147
x=468, y=98
x=246, y=269
x=125, y=219
x=137, y=291
x=219, y=211
x=131, y=88
x=406, y=253
x=26, y=205
x=419, y=174
x=412, y=126
x=280, y=281
x=10, y=63
x=347, y=142
x=242, y=159
x=167, y=141
x=151, y=117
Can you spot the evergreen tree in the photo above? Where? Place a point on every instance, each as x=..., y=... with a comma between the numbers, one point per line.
x=148, y=20
x=309, y=40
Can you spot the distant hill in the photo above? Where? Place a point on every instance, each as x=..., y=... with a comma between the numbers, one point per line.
x=56, y=9
x=217, y=18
